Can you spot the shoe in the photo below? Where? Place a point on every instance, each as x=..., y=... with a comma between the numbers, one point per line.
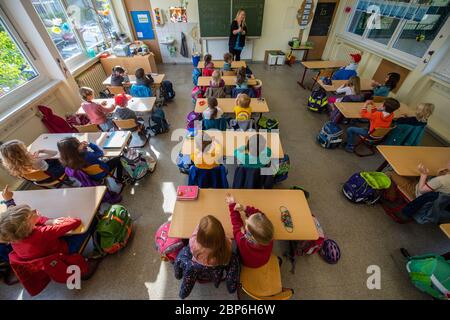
x=10, y=277
x=349, y=148
x=92, y=267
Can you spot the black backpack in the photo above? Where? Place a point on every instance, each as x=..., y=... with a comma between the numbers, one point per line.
x=158, y=123
x=318, y=100
x=166, y=90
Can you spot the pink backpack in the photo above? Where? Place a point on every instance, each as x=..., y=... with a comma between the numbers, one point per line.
x=196, y=93
x=167, y=247
x=308, y=247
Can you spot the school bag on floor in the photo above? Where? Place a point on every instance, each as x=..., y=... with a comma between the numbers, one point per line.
x=365, y=187
x=318, y=100
x=166, y=91
x=167, y=247
x=113, y=230
x=267, y=124
x=191, y=118
x=430, y=274
x=197, y=93
x=283, y=169
x=330, y=136
x=158, y=123
x=135, y=166
x=196, y=73
x=184, y=163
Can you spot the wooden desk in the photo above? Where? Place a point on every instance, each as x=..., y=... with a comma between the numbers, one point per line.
x=229, y=81
x=157, y=77
x=218, y=64
x=404, y=159
x=351, y=110
x=80, y=203
x=49, y=141
x=139, y=105
x=445, y=227
x=227, y=105
x=130, y=64
x=301, y=48
x=319, y=65
x=187, y=214
x=366, y=85
x=230, y=140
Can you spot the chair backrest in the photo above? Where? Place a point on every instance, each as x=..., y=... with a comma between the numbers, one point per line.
x=325, y=73
x=88, y=128
x=228, y=73
x=116, y=89
x=236, y=91
x=38, y=177
x=242, y=125
x=140, y=91
x=379, y=99
x=127, y=124
x=380, y=133
x=219, y=124
x=215, y=93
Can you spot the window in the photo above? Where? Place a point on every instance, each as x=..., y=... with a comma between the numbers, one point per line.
x=409, y=26
x=77, y=26
x=15, y=68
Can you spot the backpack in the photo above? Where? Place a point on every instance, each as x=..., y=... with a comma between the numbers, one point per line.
x=365, y=187
x=141, y=91
x=113, y=230
x=268, y=124
x=309, y=247
x=191, y=118
x=135, y=166
x=330, y=136
x=158, y=123
x=167, y=247
x=318, y=100
x=283, y=169
x=184, y=163
x=196, y=93
x=166, y=90
x=430, y=274
x=196, y=73
x=77, y=119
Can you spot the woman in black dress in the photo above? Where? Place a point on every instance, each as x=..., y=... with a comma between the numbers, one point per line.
x=238, y=31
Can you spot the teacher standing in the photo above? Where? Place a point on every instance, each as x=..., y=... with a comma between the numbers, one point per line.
x=238, y=31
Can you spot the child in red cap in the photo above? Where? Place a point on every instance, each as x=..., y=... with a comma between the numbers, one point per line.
x=124, y=113
x=356, y=57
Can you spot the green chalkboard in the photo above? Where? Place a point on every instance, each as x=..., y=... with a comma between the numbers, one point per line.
x=216, y=16
x=254, y=10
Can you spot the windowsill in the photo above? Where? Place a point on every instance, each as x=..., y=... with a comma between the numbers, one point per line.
x=29, y=100
x=85, y=64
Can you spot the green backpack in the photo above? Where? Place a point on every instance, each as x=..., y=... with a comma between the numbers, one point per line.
x=113, y=230
x=430, y=274
x=268, y=124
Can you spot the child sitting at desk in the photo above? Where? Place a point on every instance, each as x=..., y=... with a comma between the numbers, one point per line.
x=254, y=238
x=97, y=113
x=242, y=110
x=77, y=156
x=213, y=111
x=19, y=162
x=217, y=81
x=209, y=245
x=228, y=59
x=119, y=76
x=423, y=112
x=124, y=113
x=144, y=79
x=241, y=79
x=382, y=90
x=208, y=69
x=379, y=118
x=33, y=238
x=356, y=58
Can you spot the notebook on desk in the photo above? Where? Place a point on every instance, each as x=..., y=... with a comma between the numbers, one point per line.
x=115, y=140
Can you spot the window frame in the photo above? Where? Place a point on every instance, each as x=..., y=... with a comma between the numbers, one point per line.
x=387, y=49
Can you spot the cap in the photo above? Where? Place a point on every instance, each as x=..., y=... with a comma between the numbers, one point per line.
x=121, y=98
x=356, y=57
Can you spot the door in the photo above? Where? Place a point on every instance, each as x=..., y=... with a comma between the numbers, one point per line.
x=321, y=26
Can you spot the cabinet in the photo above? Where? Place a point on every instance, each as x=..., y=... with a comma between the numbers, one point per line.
x=130, y=63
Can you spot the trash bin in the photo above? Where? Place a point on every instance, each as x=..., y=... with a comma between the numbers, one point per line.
x=272, y=58
x=281, y=58
x=195, y=59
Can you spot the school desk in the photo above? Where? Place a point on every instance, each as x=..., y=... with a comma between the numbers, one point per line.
x=366, y=85
x=80, y=203
x=445, y=227
x=227, y=105
x=139, y=105
x=218, y=64
x=230, y=140
x=158, y=78
x=49, y=141
x=187, y=214
x=229, y=81
x=320, y=65
x=352, y=110
x=405, y=159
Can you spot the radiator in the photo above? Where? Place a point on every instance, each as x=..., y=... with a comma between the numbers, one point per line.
x=342, y=52
x=93, y=78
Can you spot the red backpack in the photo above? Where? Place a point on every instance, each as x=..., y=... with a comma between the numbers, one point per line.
x=54, y=123
x=167, y=247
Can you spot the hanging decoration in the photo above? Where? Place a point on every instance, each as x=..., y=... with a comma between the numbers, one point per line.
x=305, y=13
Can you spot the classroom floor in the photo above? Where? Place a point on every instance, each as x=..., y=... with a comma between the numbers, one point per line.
x=366, y=235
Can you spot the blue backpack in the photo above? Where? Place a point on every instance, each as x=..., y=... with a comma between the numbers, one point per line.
x=330, y=136
x=318, y=100
x=365, y=187
x=196, y=73
x=158, y=123
x=140, y=91
x=166, y=90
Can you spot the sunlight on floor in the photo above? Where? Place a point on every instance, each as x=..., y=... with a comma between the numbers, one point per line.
x=20, y=297
x=156, y=152
x=157, y=289
x=170, y=196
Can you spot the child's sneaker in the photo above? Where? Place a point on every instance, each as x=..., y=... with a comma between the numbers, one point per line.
x=349, y=148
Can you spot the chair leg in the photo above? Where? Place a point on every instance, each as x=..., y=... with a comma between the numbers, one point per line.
x=369, y=147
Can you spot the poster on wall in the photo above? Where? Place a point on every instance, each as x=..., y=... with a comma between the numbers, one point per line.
x=178, y=14
x=142, y=25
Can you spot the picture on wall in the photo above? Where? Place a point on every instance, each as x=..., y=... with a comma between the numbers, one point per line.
x=178, y=14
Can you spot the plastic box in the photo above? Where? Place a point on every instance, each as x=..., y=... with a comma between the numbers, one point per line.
x=281, y=58
x=272, y=58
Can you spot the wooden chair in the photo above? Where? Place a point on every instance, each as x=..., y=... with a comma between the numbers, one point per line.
x=124, y=125
x=264, y=283
x=39, y=177
x=138, y=138
x=378, y=99
x=328, y=73
x=116, y=89
x=228, y=73
x=373, y=139
x=87, y=128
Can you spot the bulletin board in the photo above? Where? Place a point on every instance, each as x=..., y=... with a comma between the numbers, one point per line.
x=143, y=26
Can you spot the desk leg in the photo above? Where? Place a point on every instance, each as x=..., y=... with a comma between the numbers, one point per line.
x=305, y=55
x=382, y=166
x=301, y=83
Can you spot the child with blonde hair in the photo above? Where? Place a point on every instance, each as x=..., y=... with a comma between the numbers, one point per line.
x=217, y=81
x=209, y=245
x=254, y=238
x=97, y=113
x=423, y=112
x=242, y=110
